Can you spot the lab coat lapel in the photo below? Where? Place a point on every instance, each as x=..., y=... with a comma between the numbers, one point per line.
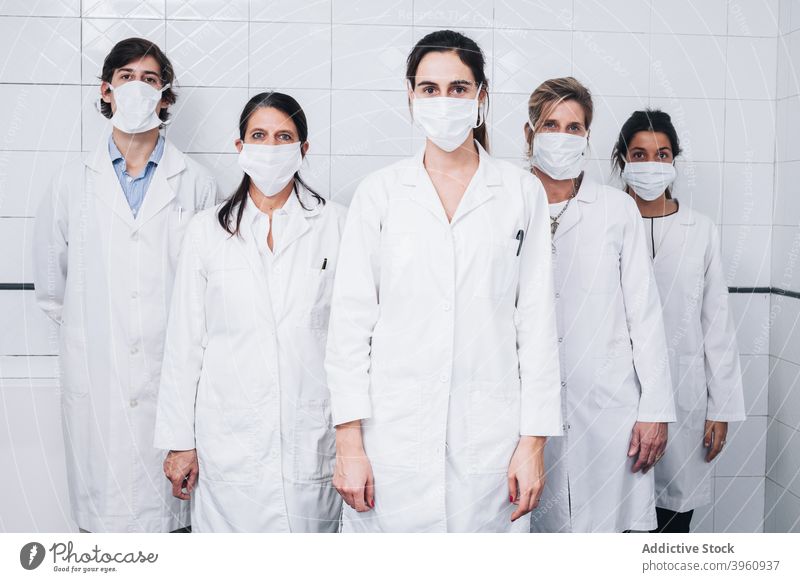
x=297, y=225
x=481, y=190
x=423, y=191
x=105, y=183
x=587, y=193
x=676, y=241
x=161, y=192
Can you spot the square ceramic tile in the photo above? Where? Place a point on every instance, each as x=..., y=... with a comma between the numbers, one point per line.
x=18, y=310
x=749, y=131
x=786, y=257
x=747, y=193
x=373, y=12
x=784, y=392
x=751, y=68
x=699, y=186
x=453, y=13
x=677, y=70
x=101, y=34
x=509, y=114
x=788, y=49
x=225, y=169
x=347, y=172
x=754, y=18
x=746, y=255
x=70, y=8
x=211, y=54
x=483, y=37
x=783, y=456
x=208, y=9
x=41, y=50
x=205, y=120
x=785, y=332
x=782, y=511
x=755, y=384
x=370, y=57
x=95, y=128
x=371, y=122
x=612, y=63
x=533, y=14
x=612, y=16
x=16, y=264
x=290, y=11
x=787, y=202
x=745, y=452
x=526, y=58
x=610, y=113
x=739, y=505
x=290, y=55
x=703, y=519
x=700, y=125
x=751, y=320
x=40, y=117
x=26, y=176
x=787, y=147
x=123, y=9
x=690, y=17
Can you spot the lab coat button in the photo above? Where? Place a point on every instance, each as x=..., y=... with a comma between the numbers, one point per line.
x=446, y=306
x=563, y=384
x=558, y=295
x=561, y=339
x=134, y=294
x=443, y=378
x=277, y=270
x=134, y=350
x=134, y=403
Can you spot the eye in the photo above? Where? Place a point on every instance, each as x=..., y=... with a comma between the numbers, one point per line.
x=285, y=137
x=663, y=155
x=428, y=90
x=637, y=155
x=574, y=127
x=125, y=76
x=459, y=90
x=257, y=135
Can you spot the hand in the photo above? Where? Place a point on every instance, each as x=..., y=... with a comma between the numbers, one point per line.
x=353, y=477
x=180, y=466
x=714, y=438
x=526, y=475
x=649, y=440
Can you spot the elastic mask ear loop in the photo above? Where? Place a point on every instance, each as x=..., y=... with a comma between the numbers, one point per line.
x=481, y=108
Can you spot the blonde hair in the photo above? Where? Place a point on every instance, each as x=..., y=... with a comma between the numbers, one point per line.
x=550, y=94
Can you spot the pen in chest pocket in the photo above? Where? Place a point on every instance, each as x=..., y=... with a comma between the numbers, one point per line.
x=324, y=263
x=520, y=236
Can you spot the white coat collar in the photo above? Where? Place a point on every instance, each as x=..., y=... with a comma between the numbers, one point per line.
x=106, y=185
x=586, y=194
x=487, y=177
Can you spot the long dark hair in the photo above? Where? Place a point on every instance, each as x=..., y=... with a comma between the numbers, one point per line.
x=470, y=54
x=653, y=120
x=290, y=107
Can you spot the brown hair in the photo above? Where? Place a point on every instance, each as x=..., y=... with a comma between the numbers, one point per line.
x=129, y=50
x=554, y=91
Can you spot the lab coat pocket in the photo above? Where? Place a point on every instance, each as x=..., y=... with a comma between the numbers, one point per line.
x=500, y=274
x=226, y=444
x=614, y=385
x=397, y=261
x=492, y=425
x=314, y=441
x=73, y=362
x=600, y=272
x=178, y=220
x=317, y=307
x=392, y=435
x=692, y=391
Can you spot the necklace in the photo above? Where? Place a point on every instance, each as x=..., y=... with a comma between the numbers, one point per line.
x=554, y=219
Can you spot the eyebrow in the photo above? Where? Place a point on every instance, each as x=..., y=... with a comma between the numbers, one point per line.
x=452, y=83
x=129, y=70
x=262, y=130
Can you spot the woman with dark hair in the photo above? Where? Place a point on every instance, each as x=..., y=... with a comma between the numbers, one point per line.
x=616, y=394
x=704, y=361
x=243, y=405
x=442, y=359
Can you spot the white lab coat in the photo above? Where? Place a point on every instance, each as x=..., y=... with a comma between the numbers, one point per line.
x=613, y=364
x=106, y=278
x=442, y=340
x=704, y=359
x=243, y=378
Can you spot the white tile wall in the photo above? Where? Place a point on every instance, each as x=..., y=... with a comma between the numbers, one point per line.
x=719, y=67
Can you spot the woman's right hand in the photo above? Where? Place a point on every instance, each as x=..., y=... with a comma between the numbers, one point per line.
x=180, y=466
x=353, y=477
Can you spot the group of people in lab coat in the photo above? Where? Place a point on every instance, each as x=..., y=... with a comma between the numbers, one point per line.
x=471, y=346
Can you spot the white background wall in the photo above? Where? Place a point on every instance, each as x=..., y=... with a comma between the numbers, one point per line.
x=713, y=65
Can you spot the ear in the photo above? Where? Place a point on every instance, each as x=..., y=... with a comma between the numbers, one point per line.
x=409, y=89
x=238, y=144
x=105, y=92
x=304, y=148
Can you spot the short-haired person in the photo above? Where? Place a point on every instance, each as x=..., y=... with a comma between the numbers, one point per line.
x=106, y=243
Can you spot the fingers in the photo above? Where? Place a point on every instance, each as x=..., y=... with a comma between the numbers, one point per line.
x=708, y=434
x=512, y=489
x=191, y=480
x=524, y=505
x=718, y=433
x=369, y=491
x=635, y=439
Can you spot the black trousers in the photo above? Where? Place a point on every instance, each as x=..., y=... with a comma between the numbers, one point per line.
x=673, y=521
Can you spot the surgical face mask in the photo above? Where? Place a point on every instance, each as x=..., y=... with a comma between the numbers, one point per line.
x=648, y=179
x=270, y=167
x=137, y=106
x=447, y=121
x=562, y=156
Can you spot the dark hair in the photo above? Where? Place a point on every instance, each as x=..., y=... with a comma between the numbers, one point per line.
x=653, y=120
x=470, y=54
x=290, y=107
x=129, y=50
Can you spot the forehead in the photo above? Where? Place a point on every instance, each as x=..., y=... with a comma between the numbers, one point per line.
x=142, y=64
x=271, y=119
x=443, y=67
x=567, y=111
x=654, y=140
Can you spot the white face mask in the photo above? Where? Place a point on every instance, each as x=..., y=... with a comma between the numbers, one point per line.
x=447, y=121
x=649, y=179
x=137, y=106
x=559, y=155
x=270, y=167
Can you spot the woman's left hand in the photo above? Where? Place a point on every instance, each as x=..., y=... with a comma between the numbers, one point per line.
x=714, y=438
x=648, y=441
x=526, y=475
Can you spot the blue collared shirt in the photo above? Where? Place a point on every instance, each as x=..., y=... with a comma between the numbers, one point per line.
x=135, y=187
